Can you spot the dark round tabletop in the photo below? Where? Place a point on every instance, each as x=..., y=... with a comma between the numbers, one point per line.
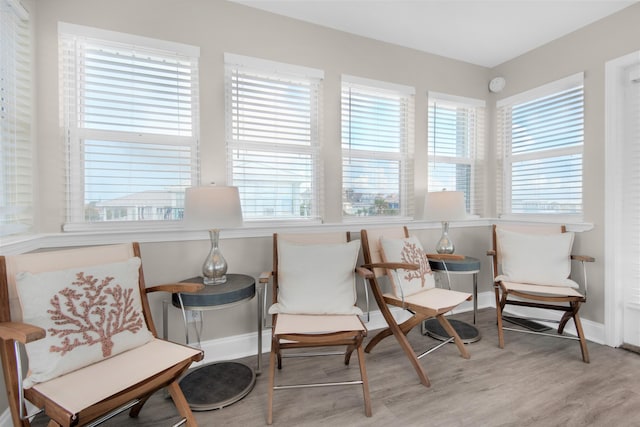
x=238, y=287
x=466, y=265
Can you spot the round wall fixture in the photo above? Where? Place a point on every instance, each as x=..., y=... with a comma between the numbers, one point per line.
x=497, y=84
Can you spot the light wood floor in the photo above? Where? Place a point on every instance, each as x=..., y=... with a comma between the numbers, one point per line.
x=533, y=381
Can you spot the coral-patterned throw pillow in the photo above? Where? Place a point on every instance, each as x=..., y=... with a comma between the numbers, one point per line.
x=408, y=250
x=88, y=313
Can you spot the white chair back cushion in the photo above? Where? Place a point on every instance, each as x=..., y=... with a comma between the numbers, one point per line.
x=538, y=259
x=408, y=250
x=316, y=279
x=89, y=314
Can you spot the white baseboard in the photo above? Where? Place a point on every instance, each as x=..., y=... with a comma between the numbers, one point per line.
x=5, y=418
x=245, y=345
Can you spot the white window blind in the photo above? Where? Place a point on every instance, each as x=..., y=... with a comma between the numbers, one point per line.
x=541, y=135
x=16, y=163
x=377, y=148
x=456, y=147
x=131, y=120
x=630, y=194
x=273, y=144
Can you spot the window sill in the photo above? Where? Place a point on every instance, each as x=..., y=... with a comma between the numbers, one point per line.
x=175, y=233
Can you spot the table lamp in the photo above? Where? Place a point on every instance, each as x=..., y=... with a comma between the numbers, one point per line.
x=445, y=206
x=213, y=207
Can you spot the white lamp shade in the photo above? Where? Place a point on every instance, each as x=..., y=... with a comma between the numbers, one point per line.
x=212, y=206
x=445, y=206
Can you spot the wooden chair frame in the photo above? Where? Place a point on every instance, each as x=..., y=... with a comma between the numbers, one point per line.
x=351, y=339
x=14, y=334
x=419, y=313
x=569, y=304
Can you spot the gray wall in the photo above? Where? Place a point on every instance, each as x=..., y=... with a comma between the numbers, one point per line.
x=218, y=27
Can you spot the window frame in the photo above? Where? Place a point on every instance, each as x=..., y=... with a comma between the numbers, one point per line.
x=505, y=158
x=17, y=191
x=309, y=146
x=404, y=155
x=475, y=110
x=71, y=103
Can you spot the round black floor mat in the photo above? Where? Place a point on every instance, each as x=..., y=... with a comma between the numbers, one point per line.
x=216, y=385
x=467, y=332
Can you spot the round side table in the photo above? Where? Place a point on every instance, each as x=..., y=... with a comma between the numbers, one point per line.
x=218, y=384
x=468, y=333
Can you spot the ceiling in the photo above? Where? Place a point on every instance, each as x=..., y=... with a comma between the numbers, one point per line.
x=480, y=32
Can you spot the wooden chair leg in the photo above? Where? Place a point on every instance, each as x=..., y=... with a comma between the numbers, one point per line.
x=565, y=318
x=405, y=327
x=181, y=404
x=408, y=350
x=348, y=352
x=452, y=332
x=499, y=317
x=583, y=341
x=377, y=338
x=135, y=410
x=365, y=382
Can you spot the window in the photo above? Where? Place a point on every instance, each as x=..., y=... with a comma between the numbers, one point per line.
x=16, y=186
x=456, y=147
x=541, y=134
x=377, y=148
x=272, y=125
x=131, y=121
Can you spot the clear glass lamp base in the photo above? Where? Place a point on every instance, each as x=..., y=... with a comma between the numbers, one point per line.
x=214, y=269
x=445, y=244
x=214, y=280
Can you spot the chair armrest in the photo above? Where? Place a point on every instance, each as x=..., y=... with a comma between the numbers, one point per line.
x=392, y=265
x=176, y=287
x=22, y=332
x=583, y=258
x=445, y=256
x=364, y=272
x=265, y=276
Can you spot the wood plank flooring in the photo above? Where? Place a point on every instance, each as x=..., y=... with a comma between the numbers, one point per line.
x=533, y=381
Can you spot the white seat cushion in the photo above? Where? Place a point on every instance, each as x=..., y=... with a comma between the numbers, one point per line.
x=437, y=299
x=84, y=387
x=559, y=291
x=316, y=324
